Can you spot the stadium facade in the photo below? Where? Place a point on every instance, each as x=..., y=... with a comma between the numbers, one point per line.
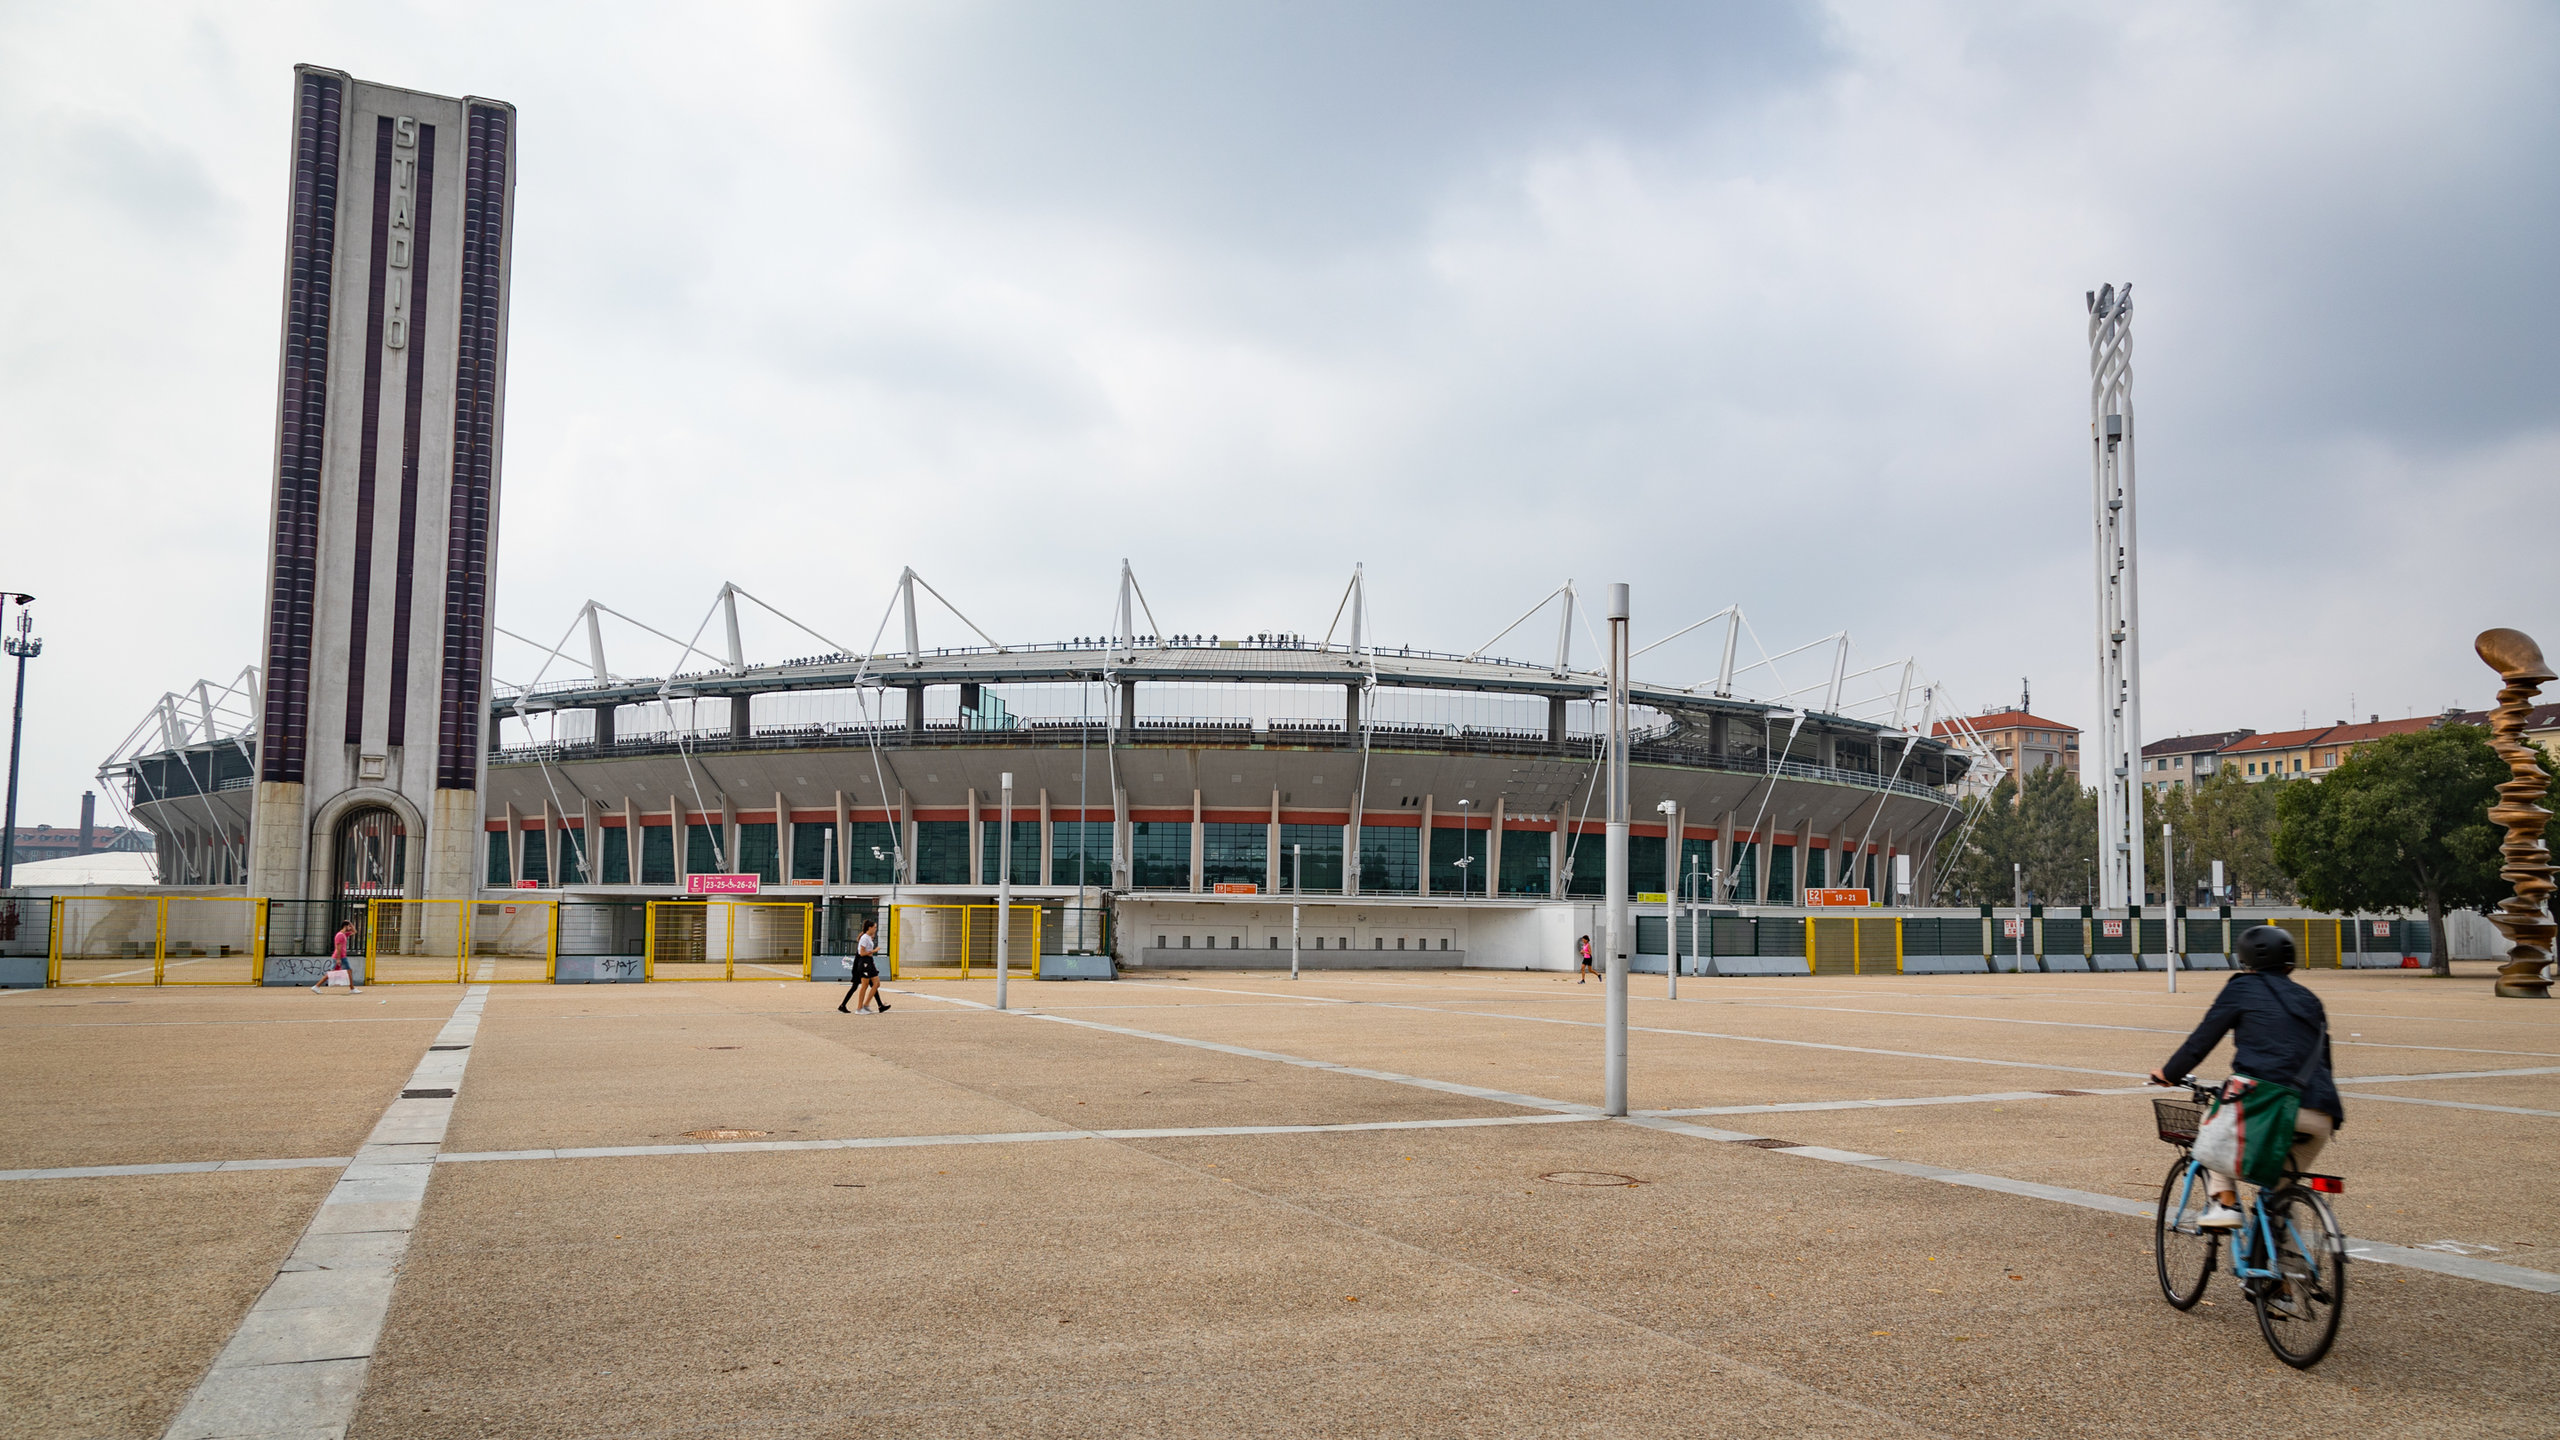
x=1175, y=798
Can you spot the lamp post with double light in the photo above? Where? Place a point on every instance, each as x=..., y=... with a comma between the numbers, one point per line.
x=24, y=647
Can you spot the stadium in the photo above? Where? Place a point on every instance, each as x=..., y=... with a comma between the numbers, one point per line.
x=1170, y=792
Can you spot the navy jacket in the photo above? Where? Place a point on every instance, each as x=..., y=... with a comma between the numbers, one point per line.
x=2273, y=1023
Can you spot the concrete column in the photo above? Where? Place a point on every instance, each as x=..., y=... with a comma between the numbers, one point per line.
x=1351, y=842
x=974, y=846
x=1129, y=709
x=594, y=817
x=604, y=724
x=1763, y=850
x=906, y=835
x=844, y=840
x=1351, y=711
x=1555, y=855
x=1196, y=847
x=1048, y=839
x=915, y=709
x=1723, y=863
x=554, y=827
x=1555, y=721
x=1271, y=860
x=1493, y=849
x=515, y=844
x=1424, y=889
x=741, y=716
x=630, y=842
x=675, y=837
x=1123, y=867
x=782, y=836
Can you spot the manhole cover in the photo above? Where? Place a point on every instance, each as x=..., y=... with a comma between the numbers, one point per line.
x=1767, y=1144
x=724, y=1134
x=1586, y=1177
x=426, y=1094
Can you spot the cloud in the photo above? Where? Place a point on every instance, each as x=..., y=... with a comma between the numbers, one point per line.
x=1759, y=304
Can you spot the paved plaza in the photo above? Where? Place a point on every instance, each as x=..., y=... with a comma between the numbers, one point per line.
x=1363, y=1203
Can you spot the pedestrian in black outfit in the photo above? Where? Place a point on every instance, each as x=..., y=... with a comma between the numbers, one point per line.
x=866, y=971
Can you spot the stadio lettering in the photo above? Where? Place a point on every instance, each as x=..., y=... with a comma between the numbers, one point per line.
x=404, y=183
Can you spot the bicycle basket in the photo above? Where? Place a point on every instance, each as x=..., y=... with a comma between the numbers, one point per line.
x=2179, y=1120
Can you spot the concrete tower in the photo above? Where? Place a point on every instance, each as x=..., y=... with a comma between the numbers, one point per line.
x=390, y=408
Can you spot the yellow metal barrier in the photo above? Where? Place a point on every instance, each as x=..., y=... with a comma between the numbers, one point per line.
x=961, y=938
x=212, y=939
x=729, y=940
x=416, y=942
x=513, y=942
x=107, y=940
x=1831, y=945
x=1879, y=943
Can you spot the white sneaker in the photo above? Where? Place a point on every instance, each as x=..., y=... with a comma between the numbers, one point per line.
x=2218, y=1216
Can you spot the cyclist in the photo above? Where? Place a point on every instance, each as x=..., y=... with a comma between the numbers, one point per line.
x=2275, y=1025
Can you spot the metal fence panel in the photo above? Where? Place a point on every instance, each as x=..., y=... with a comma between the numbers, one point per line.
x=416, y=942
x=107, y=940
x=211, y=940
x=513, y=941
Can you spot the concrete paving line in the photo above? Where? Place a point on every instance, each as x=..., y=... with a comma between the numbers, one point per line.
x=2362, y=1096
x=296, y=1366
x=2514, y=1277
x=1008, y=1137
x=1221, y=990
x=2090, y=1025
x=1763, y=1040
x=179, y=1167
x=2446, y=1075
x=1992, y=1097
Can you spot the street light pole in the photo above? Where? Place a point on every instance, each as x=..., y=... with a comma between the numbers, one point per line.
x=1614, y=983
x=25, y=647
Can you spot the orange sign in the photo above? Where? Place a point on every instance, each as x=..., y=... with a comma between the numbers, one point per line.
x=1237, y=887
x=1835, y=899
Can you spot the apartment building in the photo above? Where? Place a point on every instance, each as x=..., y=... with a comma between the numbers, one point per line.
x=2183, y=762
x=2027, y=742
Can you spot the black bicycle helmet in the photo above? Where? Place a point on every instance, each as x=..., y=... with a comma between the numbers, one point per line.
x=2264, y=947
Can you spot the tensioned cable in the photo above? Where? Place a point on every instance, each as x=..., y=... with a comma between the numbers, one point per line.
x=1775, y=759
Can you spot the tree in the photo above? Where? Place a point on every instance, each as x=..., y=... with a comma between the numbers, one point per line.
x=2047, y=829
x=2404, y=823
x=2233, y=820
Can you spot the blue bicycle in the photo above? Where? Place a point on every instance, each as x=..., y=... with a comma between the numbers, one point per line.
x=2288, y=1252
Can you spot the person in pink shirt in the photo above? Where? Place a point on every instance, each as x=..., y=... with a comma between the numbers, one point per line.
x=338, y=958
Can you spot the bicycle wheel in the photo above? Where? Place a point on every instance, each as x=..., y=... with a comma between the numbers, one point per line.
x=2185, y=1253
x=2299, y=1311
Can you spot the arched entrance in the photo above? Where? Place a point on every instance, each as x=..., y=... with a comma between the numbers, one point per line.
x=370, y=862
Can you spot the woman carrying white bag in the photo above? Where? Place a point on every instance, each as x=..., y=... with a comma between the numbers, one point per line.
x=2279, y=1060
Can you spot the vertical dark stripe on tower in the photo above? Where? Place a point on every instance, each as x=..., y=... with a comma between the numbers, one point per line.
x=302, y=423
x=360, y=595
x=406, y=562
x=475, y=417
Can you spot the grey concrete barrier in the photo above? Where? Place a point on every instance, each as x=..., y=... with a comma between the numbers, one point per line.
x=1086, y=967
x=597, y=970
x=1759, y=965
x=303, y=970
x=2066, y=964
x=1944, y=965
x=2114, y=962
x=22, y=972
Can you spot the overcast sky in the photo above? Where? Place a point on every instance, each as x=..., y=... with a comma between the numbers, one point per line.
x=1737, y=303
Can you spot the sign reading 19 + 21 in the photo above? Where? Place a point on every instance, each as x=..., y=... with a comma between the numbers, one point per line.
x=1835, y=899
x=723, y=884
